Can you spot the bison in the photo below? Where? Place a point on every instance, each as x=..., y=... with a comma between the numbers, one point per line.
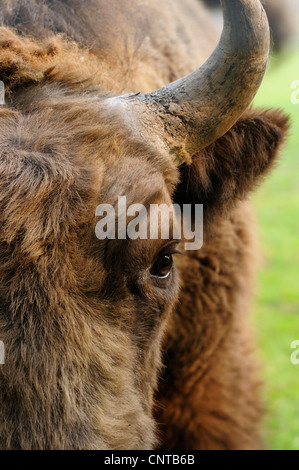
x=119, y=343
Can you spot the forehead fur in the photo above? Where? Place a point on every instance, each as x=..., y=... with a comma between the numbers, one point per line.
x=25, y=61
x=66, y=86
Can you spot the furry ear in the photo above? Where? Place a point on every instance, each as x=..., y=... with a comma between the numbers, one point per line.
x=231, y=167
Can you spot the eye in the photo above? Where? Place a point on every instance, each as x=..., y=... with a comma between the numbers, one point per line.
x=162, y=266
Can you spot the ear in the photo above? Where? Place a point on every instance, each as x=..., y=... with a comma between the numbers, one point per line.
x=230, y=168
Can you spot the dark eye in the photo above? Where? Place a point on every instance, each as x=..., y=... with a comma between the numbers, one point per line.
x=162, y=267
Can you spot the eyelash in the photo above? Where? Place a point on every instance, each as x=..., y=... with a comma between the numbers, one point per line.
x=169, y=249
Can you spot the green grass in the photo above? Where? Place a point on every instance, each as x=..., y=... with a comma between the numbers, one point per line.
x=277, y=307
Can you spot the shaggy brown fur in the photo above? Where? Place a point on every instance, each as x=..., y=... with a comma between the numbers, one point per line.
x=83, y=320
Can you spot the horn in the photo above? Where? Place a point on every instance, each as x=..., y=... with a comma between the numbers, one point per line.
x=191, y=113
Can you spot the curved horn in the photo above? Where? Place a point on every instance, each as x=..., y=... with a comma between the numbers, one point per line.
x=201, y=107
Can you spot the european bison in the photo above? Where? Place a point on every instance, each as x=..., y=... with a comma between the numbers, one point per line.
x=108, y=345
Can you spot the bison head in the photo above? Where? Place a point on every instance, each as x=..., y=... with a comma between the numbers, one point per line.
x=82, y=319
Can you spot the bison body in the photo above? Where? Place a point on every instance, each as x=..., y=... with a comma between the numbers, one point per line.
x=100, y=353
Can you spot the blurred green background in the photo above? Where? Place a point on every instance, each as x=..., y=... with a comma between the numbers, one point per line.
x=276, y=312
